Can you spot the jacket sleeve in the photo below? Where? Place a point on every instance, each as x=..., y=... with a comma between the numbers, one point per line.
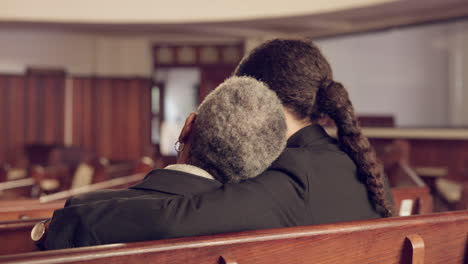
x=273, y=199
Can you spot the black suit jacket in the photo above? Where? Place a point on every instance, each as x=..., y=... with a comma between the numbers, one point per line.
x=312, y=182
x=158, y=184
x=161, y=183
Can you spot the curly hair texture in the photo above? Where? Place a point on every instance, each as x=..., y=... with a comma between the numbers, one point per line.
x=302, y=78
x=239, y=131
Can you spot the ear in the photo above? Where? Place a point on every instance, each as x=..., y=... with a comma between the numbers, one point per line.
x=187, y=129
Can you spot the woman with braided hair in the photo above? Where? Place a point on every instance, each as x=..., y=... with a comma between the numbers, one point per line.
x=316, y=179
x=302, y=78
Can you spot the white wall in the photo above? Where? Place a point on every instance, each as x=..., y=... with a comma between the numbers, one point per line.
x=78, y=53
x=20, y=49
x=84, y=53
x=401, y=72
x=458, y=68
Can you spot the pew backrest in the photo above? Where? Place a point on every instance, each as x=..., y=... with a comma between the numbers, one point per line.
x=45, y=205
x=51, y=178
x=434, y=238
x=3, y=172
x=412, y=200
x=16, y=236
x=29, y=210
x=17, y=188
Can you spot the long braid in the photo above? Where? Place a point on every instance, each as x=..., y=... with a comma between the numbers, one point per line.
x=333, y=100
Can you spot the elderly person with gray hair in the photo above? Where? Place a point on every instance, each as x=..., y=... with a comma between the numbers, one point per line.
x=237, y=132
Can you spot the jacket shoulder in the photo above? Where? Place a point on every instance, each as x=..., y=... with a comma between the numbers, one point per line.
x=101, y=195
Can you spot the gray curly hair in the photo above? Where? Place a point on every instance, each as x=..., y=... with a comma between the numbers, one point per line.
x=239, y=131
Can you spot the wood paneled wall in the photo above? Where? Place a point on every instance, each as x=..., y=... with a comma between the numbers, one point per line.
x=211, y=77
x=31, y=111
x=112, y=116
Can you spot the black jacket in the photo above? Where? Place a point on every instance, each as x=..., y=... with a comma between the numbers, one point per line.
x=312, y=182
x=159, y=183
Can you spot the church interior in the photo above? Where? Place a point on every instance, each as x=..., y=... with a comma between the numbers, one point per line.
x=93, y=95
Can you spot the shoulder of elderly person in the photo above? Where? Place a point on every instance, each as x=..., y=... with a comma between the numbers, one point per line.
x=177, y=179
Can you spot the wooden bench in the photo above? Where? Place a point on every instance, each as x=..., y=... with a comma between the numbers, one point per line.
x=50, y=179
x=46, y=205
x=16, y=236
x=8, y=173
x=32, y=211
x=17, y=188
x=3, y=172
x=29, y=210
x=412, y=200
x=434, y=238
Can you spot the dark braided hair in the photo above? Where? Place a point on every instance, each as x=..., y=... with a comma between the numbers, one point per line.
x=302, y=78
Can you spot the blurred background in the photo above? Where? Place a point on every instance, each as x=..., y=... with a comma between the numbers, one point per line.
x=96, y=90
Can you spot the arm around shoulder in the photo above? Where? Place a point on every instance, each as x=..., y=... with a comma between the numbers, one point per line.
x=269, y=201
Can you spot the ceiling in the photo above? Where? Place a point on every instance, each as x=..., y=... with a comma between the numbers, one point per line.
x=164, y=12
x=363, y=16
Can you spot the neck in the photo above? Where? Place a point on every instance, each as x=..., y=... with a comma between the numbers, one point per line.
x=295, y=124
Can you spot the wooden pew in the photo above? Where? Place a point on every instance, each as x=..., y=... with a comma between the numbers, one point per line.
x=45, y=206
x=18, y=231
x=434, y=238
x=3, y=172
x=29, y=210
x=17, y=236
x=9, y=203
x=17, y=188
x=59, y=177
x=8, y=173
x=51, y=178
x=412, y=200
x=411, y=194
x=395, y=159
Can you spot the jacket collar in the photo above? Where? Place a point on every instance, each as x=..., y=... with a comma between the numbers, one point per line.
x=176, y=182
x=309, y=136
x=190, y=169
